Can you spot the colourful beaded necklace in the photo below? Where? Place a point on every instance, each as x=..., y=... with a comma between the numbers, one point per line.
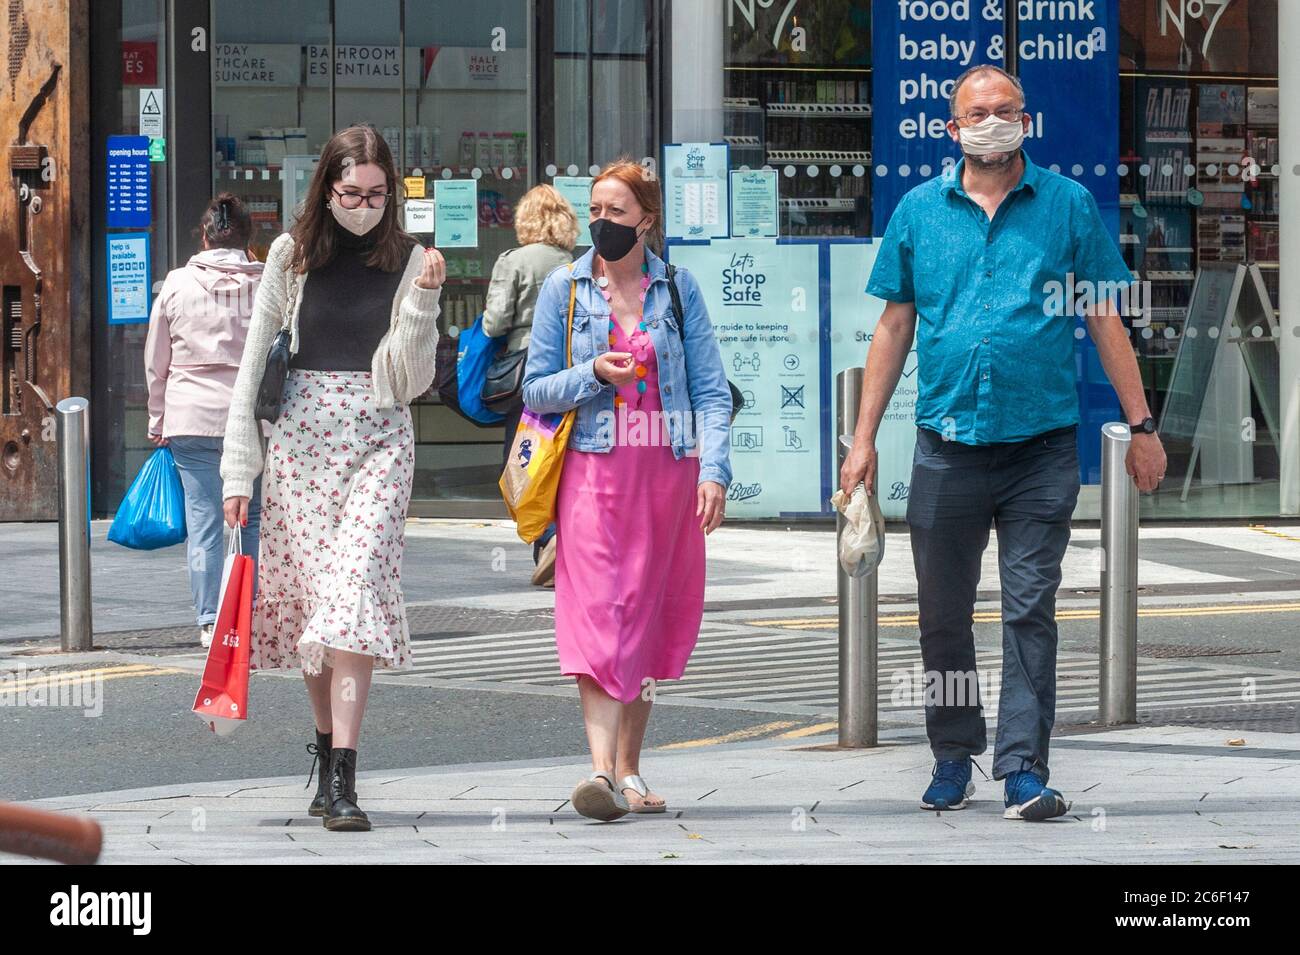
x=639, y=339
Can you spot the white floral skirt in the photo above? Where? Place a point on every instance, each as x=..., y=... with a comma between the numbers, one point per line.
x=335, y=490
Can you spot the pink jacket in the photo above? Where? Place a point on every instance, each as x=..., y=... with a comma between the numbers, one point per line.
x=196, y=337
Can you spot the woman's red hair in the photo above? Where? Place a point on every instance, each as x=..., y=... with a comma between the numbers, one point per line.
x=645, y=187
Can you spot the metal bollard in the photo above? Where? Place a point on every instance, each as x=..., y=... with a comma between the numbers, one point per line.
x=1119, y=550
x=858, y=623
x=72, y=416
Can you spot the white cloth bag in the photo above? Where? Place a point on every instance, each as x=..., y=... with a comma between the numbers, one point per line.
x=862, y=544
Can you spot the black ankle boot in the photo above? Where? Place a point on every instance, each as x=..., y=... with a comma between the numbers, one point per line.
x=343, y=814
x=320, y=765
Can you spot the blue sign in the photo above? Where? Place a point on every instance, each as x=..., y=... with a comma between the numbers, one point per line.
x=1069, y=66
x=130, y=184
x=130, y=278
x=918, y=50
x=1067, y=58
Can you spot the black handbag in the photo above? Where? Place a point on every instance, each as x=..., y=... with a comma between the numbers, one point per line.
x=737, y=399
x=270, y=392
x=503, y=386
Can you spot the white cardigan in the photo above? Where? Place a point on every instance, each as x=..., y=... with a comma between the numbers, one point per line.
x=401, y=369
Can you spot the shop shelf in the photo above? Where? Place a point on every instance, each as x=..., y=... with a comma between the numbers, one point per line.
x=818, y=157
x=816, y=110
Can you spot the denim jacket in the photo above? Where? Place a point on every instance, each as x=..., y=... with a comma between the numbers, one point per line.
x=692, y=383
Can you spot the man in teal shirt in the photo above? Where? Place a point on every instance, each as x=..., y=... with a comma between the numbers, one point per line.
x=974, y=263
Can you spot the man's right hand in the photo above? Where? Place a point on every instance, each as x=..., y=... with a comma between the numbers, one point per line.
x=236, y=509
x=859, y=467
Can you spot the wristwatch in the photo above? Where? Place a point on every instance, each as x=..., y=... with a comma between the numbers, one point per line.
x=1145, y=426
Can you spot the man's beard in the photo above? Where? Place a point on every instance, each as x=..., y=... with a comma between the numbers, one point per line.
x=993, y=162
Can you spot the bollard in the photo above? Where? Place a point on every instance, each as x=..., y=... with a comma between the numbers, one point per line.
x=857, y=597
x=1119, y=554
x=72, y=430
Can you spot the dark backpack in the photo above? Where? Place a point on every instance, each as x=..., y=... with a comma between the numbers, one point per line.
x=737, y=399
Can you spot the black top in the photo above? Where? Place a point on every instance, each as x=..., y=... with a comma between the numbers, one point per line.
x=347, y=307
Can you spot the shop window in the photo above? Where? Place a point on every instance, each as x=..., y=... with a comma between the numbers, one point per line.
x=804, y=109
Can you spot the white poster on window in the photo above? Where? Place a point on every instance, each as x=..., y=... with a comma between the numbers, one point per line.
x=472, y=67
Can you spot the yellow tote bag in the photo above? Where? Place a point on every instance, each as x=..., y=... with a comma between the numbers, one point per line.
x=531, y=478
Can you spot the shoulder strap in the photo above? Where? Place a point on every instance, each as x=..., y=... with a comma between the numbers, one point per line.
x=677, y=301
x=568, y=326
x=291, y=294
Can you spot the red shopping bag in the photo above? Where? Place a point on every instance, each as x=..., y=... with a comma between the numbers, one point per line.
x=222, y=700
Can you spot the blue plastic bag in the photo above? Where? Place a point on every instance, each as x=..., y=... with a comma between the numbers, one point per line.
x=152, y=514
x=475, y=352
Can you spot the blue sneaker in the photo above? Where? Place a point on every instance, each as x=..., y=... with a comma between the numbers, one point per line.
x=1029, y=798
x=950, y=786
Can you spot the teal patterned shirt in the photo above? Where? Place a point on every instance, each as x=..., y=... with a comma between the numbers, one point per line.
x=994, y=335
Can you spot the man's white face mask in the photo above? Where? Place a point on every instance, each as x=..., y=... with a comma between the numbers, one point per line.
x=992, y=135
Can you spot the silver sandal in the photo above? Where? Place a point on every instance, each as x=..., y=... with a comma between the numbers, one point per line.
x=638, y=785
x=596, y=798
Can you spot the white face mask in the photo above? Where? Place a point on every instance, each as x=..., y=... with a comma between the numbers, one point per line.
x=993, y=135
x=358, y=221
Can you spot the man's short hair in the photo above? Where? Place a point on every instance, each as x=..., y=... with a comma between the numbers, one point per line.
x=982, y=68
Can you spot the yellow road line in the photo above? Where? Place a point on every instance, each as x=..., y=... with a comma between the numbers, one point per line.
x=81, y=677
x=815, y=729
x=993, y=616
x=1272, y=533
x=752, y=732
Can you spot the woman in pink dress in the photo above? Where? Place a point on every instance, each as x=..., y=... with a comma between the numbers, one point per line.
x=644, y=477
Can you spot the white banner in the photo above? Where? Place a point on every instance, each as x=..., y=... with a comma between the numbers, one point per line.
x=472, y=67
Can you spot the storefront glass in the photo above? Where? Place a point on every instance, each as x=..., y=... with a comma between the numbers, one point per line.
x=1166, y=111
x=784, y=134
x=128, y=55
x=448, y=94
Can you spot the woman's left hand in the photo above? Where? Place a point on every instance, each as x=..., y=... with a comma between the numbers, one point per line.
x=435, y=270
x=710, y=503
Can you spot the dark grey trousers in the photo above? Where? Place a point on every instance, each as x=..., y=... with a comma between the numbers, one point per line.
x=1027, y=491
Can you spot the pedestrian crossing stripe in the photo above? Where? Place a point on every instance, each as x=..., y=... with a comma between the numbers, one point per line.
x=759, y=662
x=737, y=663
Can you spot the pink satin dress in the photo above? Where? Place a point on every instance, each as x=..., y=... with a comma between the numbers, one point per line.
x=629, y=570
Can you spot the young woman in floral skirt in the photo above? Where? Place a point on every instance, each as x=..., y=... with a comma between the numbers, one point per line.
x=361, y=300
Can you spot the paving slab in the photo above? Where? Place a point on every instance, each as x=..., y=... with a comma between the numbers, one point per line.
x=1139, y=795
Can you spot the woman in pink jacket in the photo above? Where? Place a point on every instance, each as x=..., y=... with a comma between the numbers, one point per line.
x=196, y=337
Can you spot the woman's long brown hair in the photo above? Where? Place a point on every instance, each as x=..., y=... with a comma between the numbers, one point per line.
x=313, y=233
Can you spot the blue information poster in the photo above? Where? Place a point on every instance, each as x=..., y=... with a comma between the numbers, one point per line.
x=129, y=187
x=763, y=301
x=577, y=192
x=695, y=190
x=129, y=278
x=755, y=210
x=456, y=213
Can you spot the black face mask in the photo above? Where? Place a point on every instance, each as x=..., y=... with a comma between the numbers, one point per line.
x=612, y=240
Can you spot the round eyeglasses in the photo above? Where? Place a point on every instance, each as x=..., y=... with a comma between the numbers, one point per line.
x=353, y=200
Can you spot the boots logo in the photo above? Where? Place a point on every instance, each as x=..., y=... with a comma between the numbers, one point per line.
x=77, y=908
x=744, y=492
